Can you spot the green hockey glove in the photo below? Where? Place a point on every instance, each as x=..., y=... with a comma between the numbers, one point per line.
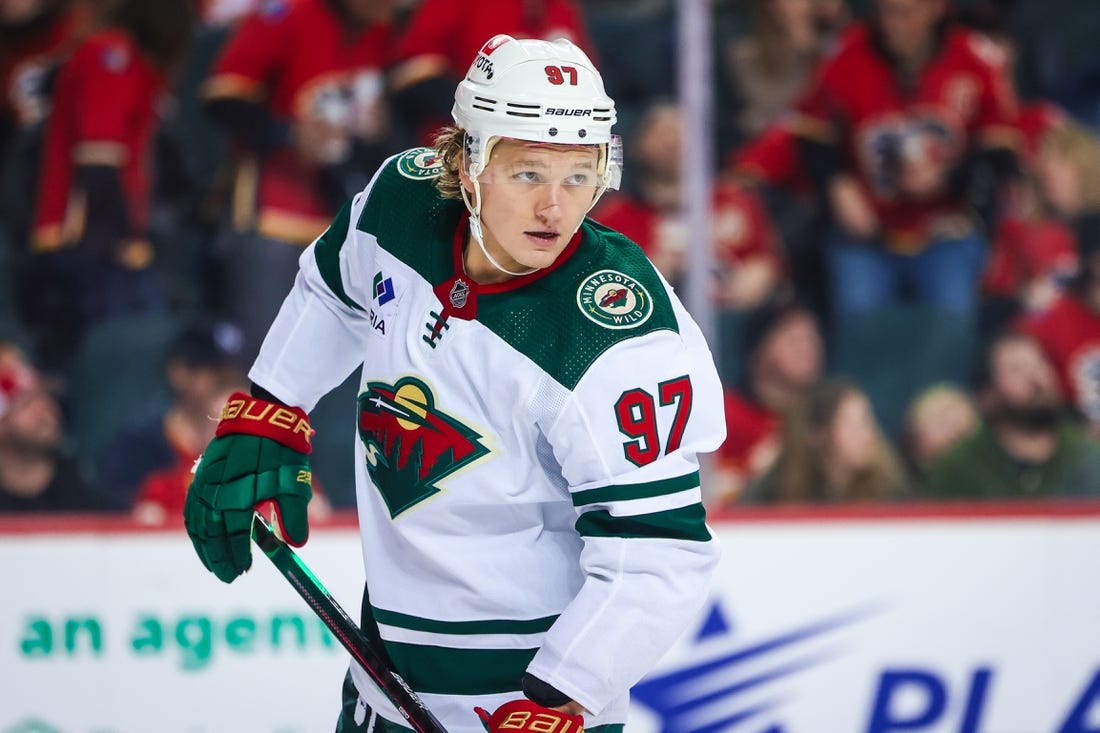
x=260, y=453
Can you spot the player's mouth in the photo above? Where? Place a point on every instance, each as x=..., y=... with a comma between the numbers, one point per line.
x=542, y=238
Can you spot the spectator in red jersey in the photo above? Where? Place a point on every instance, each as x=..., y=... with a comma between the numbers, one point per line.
x=833, y=451
x=35, y=474
x=897, y=129
x=35, y=37
x=299, y=89
x=785, y=357
x=1032, y=253
x=91, y=254
x=1035, y=257
x=442, y=36
x=1069, y=330
x=749, y=266
x=1068, y=169
x=765, y=70
x=1027, y=447
x=770, y=168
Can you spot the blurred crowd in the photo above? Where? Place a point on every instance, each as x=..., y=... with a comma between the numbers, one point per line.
x=905, y=226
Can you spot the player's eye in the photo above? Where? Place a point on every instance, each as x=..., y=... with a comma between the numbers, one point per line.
x=580, y=179
x=528, y=177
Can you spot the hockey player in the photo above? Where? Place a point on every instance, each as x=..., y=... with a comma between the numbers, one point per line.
x=532, y=404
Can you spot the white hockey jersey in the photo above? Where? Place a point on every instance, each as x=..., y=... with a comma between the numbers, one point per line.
x=526, y=469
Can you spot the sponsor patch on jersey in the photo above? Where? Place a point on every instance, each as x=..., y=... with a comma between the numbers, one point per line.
x=383, y=288
x=420, y=163
x=614, y=300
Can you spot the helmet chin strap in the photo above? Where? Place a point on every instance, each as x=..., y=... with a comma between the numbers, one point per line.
x=479, y=235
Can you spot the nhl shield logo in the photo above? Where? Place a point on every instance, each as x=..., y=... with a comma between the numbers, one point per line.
x=614, y=300
x=460, y=292
x=420, y=164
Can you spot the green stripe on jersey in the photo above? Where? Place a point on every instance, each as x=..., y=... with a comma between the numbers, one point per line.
x=502, y=626
x=626, y=492
x=440, y=670
x=327, y=254
x=685, y=523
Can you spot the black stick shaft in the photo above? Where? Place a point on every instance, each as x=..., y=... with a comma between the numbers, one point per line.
x=347, y=632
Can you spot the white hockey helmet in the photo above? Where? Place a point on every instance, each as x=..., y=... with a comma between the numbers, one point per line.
x=538, y=91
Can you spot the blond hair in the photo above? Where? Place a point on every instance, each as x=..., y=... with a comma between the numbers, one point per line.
x=449, y=144
x=1079, y=146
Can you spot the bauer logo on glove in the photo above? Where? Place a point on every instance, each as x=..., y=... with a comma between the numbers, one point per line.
x=525, y=716
x=260, y=454
x=244, y=414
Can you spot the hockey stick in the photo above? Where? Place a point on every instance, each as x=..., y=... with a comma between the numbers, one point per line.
x=411, y=707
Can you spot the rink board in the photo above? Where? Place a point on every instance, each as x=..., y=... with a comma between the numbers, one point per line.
x=968, y=621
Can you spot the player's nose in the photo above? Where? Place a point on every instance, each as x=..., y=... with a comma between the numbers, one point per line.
x=550, y=200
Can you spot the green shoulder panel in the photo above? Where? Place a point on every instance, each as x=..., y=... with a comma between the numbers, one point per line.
x=409, y=218
x=327, y=254
x=405, y=214
x=607, y=292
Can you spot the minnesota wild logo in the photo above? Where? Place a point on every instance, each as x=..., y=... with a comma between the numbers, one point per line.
x=411, y=445
x=420, y=163
x=614, y=300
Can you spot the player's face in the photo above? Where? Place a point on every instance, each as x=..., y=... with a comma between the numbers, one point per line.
x=533, y=198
